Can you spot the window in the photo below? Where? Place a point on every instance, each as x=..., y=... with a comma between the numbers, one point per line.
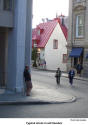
x=55, y=44
x=35, y=43
x=79, y=26
x=38, y=31
x=78, y=0
x=7, y=4
x=64, y=58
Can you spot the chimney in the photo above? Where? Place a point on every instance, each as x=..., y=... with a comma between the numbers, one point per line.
x=43, y=20
x=56, y=15
x=47, y=19
x=62, y=19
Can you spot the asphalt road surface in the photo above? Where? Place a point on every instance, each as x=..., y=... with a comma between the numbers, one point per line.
x=78, y=109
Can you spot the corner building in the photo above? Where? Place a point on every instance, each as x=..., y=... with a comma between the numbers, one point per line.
x=78, y=35
x=15, y=42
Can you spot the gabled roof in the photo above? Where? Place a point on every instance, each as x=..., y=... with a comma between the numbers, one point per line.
x=47, y=28
x=65, y=31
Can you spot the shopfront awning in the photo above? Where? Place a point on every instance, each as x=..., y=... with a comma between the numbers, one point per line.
x=76, y=52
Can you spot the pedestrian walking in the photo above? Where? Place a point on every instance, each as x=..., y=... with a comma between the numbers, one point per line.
x=58, y=75
x=71, y=75
x=79, y=69
x=28, y=82
x=44, y=64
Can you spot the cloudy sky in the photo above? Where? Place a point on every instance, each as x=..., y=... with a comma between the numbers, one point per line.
x=48, y=9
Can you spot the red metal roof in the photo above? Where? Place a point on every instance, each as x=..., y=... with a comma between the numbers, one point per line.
x=65, y=31
x=47, y=29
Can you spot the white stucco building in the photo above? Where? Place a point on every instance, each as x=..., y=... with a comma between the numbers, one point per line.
x=51, y=43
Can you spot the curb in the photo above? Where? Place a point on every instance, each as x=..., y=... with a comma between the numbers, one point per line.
x=75, y=78
x=36, y=102
x=37, y=69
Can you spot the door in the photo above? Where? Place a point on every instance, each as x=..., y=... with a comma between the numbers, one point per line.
x=2, y=59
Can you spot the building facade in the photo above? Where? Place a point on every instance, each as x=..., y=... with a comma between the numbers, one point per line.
x=15, y=37
x=51, y=40
x=78, y=35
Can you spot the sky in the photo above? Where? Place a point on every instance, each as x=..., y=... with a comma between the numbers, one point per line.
x=48, y=9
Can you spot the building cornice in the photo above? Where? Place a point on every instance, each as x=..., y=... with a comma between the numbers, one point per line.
x=71, y=46
x=79, y=6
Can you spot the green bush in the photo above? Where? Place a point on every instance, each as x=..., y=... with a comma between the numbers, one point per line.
x=34, y=56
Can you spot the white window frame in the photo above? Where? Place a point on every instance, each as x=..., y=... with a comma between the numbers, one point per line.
x=38, y=32
x=77, y=26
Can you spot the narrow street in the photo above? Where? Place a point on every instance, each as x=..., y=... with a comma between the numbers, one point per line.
x=78, y=109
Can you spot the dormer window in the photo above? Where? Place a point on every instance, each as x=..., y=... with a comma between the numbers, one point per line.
x=38, y=32
x=35, y=43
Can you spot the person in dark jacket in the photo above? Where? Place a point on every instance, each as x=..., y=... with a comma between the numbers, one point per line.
x=58, y=75
x=28, y=82
x=79, y=69
x=71, y=75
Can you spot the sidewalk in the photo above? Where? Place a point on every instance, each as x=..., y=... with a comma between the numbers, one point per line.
x=39, y=95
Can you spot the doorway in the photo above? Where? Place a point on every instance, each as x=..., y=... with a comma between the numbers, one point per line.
x=3, y=57
x=78, y=60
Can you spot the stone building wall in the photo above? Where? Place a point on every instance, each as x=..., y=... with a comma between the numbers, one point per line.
x=74, y=9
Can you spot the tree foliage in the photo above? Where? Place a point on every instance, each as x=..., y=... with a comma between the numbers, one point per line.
x=34, y=56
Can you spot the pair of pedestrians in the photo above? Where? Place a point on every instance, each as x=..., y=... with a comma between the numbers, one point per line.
x=71, y=75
